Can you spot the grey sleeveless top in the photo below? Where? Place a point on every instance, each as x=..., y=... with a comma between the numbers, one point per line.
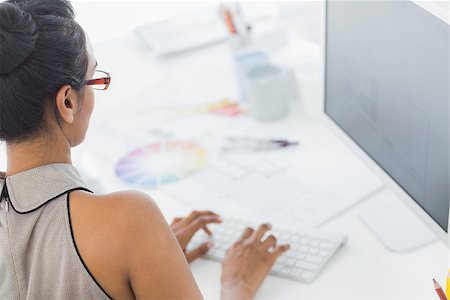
x=39, y=258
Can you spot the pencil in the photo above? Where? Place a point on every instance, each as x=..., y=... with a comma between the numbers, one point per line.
x=447, y=290
x=229, y=21
x=439, y=290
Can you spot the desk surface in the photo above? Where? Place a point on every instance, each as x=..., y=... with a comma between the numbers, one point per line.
x=362, y=269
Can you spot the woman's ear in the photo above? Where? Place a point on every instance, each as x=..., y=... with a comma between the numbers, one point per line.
x=66, y=103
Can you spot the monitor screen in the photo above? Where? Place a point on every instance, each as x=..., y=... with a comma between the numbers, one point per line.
x=387, y=87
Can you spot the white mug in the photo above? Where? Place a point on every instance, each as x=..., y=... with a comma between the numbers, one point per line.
x=267, y=91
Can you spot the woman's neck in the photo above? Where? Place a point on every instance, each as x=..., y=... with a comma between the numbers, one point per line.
x=34, y=153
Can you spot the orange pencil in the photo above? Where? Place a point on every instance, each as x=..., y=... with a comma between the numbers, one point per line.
x=439, y=290
x=229, y=21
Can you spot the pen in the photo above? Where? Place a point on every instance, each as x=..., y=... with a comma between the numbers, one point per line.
x=257, y=144
x=284, y=143
x=439, y=290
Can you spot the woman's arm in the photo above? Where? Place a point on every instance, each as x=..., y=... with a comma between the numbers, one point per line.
x=157, y=266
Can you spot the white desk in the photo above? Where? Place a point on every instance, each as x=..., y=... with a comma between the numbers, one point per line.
x=363, y=269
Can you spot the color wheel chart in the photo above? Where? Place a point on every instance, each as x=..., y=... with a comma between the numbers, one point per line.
x=160, y=163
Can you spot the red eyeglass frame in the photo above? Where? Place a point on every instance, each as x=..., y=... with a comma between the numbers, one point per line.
x=98, y=81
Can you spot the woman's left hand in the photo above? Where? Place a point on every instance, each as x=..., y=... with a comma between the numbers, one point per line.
x=185, y=228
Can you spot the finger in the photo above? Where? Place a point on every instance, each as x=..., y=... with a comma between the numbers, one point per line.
x=279, y=250
x=263, y=228
x=176, y=220
x=206, y=230
x=200, y=222
x=198, y=213
x=247, y=233
x=199, y=251
x=269, y=242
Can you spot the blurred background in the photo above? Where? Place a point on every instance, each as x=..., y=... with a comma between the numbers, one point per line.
x=107, y=20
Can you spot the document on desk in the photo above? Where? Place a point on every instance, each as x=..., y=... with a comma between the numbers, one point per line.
x=295, y=186
x=275, y=190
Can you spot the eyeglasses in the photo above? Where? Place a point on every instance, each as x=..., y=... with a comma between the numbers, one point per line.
x=100, y=81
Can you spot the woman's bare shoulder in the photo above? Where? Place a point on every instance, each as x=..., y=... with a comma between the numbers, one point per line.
x=124, y=205
x=124, y=198
x=111, y=229
x=119, y=219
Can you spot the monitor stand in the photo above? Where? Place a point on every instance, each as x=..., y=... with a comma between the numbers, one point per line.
x=394, y=224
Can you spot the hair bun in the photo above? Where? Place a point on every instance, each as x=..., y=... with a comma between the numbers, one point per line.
x=17, y=36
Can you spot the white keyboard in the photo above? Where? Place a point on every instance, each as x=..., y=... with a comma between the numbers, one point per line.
x=309, y=251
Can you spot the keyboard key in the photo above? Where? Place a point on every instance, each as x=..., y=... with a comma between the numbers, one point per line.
x=313, y=250
x=326, y=245
x=285, y=270
x=314, y=259
x=220, y=253
x=220, y=229
x=306, y=266
x=229, y=232
x=290, y=261
x=285, y=236
x=303, y=249
x=282, y=259
x=299, y=264
x=314, y=243
x=295, y=238
x=290, y=254
x=295, y=272
x=277, y=268
x=300, y=256
x=227, y=239
x=305, y=241
x=334, y=239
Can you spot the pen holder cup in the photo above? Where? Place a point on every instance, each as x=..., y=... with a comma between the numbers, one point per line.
x=267, y=91
x=245, y=60
x=239, y=42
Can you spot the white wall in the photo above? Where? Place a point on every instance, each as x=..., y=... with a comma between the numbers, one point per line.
x=104, y=20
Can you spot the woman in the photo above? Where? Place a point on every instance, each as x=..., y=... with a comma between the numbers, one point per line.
x=57, y=239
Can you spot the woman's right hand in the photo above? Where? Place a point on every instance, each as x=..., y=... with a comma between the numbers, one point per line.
x=248, y=262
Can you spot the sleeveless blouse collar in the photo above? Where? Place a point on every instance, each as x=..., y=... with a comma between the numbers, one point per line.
x=30, y=189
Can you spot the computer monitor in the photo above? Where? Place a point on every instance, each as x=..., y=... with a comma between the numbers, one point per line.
x=387, y=94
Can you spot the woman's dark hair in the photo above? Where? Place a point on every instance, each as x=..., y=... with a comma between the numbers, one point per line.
x=42, y=48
